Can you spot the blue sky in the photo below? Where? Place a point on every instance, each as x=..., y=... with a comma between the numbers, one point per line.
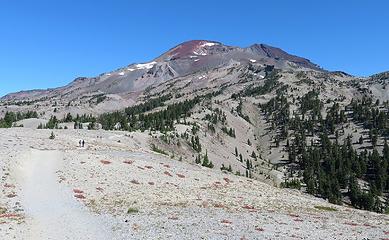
x=45, y=43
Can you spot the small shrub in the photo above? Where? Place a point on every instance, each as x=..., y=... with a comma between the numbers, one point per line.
x=387, y=210
x=294, y=184
x=3, y=210
x=154, y=148
x=52, y=136
x=132, y=210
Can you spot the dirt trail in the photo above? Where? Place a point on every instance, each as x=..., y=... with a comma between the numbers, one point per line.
x=52, y=208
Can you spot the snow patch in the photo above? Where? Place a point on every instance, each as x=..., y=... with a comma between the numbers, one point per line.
x=209, y=44
x=145, y=65
x=200, y=53
x=121, y=73
x=253, y=60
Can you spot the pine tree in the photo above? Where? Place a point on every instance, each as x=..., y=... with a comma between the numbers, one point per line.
x=198, y=160
x=205, y=160
x=360, y=140
x=210, y=165
x=247, y=164
x=311, y=186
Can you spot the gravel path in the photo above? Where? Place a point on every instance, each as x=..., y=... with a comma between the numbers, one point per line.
x=55, y=213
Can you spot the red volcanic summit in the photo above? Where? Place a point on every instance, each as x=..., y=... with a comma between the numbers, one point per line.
x=191, y=48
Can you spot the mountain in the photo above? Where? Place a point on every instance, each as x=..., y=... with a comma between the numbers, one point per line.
x=257, y=112
x=185, y=59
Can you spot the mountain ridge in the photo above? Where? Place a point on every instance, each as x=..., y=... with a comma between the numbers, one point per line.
x=187, y=57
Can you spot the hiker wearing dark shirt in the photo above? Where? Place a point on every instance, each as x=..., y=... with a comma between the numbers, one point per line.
x=83, y=143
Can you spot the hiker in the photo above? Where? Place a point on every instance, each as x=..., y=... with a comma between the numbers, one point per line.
x=79, y=143
x=83, y=143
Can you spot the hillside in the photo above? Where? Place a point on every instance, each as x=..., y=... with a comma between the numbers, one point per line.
x=116, y=188
x=256, y=112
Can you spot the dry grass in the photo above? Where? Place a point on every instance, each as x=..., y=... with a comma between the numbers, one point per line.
x=3, y=210
x=323, y=208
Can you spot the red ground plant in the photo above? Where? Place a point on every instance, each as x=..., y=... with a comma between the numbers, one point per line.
x=10, y=215
x=105, y=162
x=368, y=225
x=226, y=221
x=259, y=229
x=128, y=162
x=79, y=196
x=134, y=181
x=227, y=180
x=298, y=220
x=78, y=191
x=248, y=207
x=219, y=205
x=351, y=224
x=168, y=174
x=11, y=195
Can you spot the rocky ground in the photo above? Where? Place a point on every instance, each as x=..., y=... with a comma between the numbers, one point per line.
x=116, y=188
